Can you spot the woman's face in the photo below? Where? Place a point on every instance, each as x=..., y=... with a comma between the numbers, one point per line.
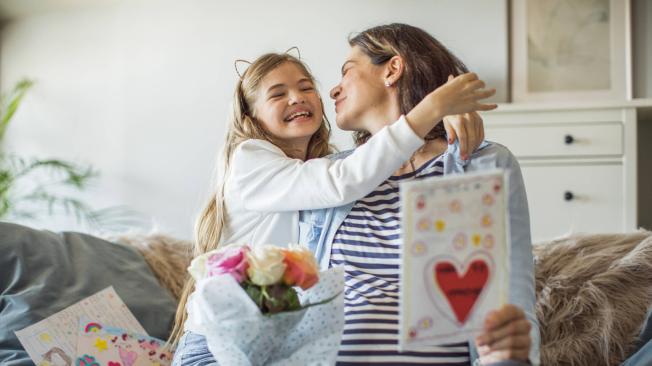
x=288, y=105
x=360, y=93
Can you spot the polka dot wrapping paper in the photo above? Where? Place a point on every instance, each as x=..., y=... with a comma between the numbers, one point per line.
x=237, y=332
x=454, y=257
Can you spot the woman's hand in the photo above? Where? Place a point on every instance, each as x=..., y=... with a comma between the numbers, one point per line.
x=468, y=129
x=461, y=94
x=506, y=336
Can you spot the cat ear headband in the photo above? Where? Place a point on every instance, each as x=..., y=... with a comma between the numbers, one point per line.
x=241, y=69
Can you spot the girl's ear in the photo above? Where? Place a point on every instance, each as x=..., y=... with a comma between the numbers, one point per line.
x=393, y=70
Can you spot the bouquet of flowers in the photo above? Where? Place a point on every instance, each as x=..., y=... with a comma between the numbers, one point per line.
x=266, y=305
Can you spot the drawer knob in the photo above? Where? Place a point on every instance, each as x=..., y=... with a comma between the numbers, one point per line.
x=569, y=139
x=568, y=196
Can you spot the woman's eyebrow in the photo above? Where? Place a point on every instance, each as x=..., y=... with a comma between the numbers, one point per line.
x=346, y=62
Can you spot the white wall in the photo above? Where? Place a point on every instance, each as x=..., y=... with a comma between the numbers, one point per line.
x=140, y=89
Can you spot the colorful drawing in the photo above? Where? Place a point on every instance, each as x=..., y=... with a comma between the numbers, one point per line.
x=487, y=221
x=464, y=272
x=421, y=203
x=100, y=344
x=476, y=239
x=488, y=199
x=488, y=241
x=45, y=337
x=86, y=360
x=460, y=286
x=418, y=248
x=440, y=225
x=92, y=327
x=424, y=224
x=426, y=323
x=459, y=242
x=455, y=206
x=120, y=347
x=64, y=359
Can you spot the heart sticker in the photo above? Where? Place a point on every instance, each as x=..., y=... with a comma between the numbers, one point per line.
x=128, y=357
x=87, y=360
x=456, y=288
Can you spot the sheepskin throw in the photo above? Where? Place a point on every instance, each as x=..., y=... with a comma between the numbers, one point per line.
x=167, y=257
x=593, y=293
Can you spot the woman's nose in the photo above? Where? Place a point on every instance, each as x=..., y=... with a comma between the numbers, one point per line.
x=335, y=92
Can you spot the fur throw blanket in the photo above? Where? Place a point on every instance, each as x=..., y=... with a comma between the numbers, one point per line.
x=167, y=257
x=593, y=294
x=593, y=291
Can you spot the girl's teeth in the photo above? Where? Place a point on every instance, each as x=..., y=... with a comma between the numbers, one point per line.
x=298, y=115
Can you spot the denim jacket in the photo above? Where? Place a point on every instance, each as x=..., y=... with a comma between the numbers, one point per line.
x=317, y=228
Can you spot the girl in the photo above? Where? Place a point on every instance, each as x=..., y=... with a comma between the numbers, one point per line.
x=272, y=156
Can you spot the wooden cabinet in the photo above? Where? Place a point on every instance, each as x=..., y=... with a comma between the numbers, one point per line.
x=579, y=162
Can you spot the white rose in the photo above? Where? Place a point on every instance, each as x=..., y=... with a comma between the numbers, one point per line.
x=266, y=265
x=198, y=266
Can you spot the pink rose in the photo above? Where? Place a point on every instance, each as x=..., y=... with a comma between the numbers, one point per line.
x=229, y=260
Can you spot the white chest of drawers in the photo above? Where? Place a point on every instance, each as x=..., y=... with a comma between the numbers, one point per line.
x=580, y=164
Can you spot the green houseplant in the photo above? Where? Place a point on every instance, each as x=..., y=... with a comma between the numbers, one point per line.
x=33, y=187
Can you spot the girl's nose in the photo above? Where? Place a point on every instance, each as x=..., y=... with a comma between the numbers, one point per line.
x=296, y=97
x=335, y=92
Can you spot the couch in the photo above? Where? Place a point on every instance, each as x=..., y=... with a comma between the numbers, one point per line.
x=593, y=291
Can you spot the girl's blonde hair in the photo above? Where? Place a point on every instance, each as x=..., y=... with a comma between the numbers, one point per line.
x=242, y=126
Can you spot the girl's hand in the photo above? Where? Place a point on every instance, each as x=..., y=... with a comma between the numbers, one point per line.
x=506, y=336
x=459, y=95
x=468, y=129
x=462, y=94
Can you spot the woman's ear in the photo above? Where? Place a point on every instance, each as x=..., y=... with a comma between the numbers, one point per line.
x=393, y=70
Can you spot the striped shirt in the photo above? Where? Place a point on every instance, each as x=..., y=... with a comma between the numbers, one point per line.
x=368, y=244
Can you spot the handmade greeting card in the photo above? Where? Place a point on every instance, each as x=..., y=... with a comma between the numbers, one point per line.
x=52, y=341
x=100, y=345
x=455, y=256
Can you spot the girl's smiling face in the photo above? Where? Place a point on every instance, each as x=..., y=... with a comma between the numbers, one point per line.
x=288, y=105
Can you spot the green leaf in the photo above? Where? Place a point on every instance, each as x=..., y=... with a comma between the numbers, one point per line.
x=15, y=97
x=255, y=293
x=291, y=300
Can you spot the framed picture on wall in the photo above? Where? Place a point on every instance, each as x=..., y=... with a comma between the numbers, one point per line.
x=565, y=50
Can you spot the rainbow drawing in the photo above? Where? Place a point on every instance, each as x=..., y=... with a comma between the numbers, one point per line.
x=92, y=327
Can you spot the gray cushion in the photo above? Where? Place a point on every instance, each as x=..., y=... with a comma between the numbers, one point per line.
x=42, y=272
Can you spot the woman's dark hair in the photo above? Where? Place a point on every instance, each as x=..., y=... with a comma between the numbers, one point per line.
x=427, y=65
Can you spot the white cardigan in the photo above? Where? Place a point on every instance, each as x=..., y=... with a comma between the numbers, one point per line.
x=265, y=189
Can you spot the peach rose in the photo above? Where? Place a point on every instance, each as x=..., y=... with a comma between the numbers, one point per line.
x=301, y=267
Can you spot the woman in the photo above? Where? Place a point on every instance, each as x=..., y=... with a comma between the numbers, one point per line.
x=388, y=69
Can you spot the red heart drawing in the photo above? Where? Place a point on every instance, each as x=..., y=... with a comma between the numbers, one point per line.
x=111, y=363
x=461, y=292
